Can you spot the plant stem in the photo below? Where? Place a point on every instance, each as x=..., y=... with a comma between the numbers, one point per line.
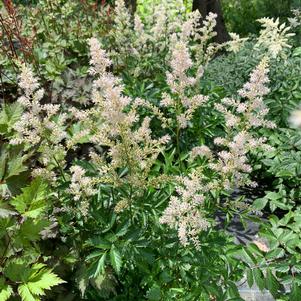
x=60, y=169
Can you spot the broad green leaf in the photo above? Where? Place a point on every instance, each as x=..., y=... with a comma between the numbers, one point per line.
x=30, y=231
x=116, y=260
x=276, y=253
x=32, y=201
x=5, y=290
x=41, y=280
x=12, y=162
x=248, y=256
x=259, y=204
x=16, y=166
x=25, y=293
x=273, y=196
x=4, y=213
x=93, y=255
x=17, y=271
x=5, y=224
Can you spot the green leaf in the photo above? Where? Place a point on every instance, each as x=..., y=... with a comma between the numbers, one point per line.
x=16, y=166
x=25, y=293
x=17, y=271
x=42, y=279
x=295, y=293
x=233, y=290
x=30, y=231
x=276, y=253
x=297, y=51
x=5, y=290
x=9, y=115
x=273, y=196
x=93, y=255
x=101, y=265
x=250, y=278
x=116, y=260
x=99, y=242
x=259, y=204
x=4, y=213
x=154, y=293
x=83, y=282
x=272, y=283
x=259, y=278
x=32, y=201
x=11, y=162
x=248, y=256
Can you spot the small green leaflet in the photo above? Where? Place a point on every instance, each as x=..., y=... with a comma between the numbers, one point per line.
x=100, y=265
x=116, y=260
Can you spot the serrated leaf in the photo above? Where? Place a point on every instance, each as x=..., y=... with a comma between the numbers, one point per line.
x=32, y=201
x=5, y=290
x=259, y=278
x=250, y=278
x=100, y=243
x=93, y=255
x=101, y=265
x=15, y=166
x=9, y=115
x=83, y=283
x=276, y=253
x=30, y=231
x=248, y=256
x=116, y=260
x=272, y=283
x=42, y=279
x=25, y=293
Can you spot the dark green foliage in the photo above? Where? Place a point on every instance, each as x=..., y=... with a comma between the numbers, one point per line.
x=241, y=15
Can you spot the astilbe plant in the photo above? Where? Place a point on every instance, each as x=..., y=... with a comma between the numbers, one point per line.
x=229, y=166
x=95, y=192
x=153, y=38
x=41, y=126
x=274, y=36
x=117, y=125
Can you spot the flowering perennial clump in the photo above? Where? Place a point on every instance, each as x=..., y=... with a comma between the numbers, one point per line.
x=37, y=118
x=230, y=165
x=274, y=36
x=138, y=177
x=116, y=123
x=122, y=142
